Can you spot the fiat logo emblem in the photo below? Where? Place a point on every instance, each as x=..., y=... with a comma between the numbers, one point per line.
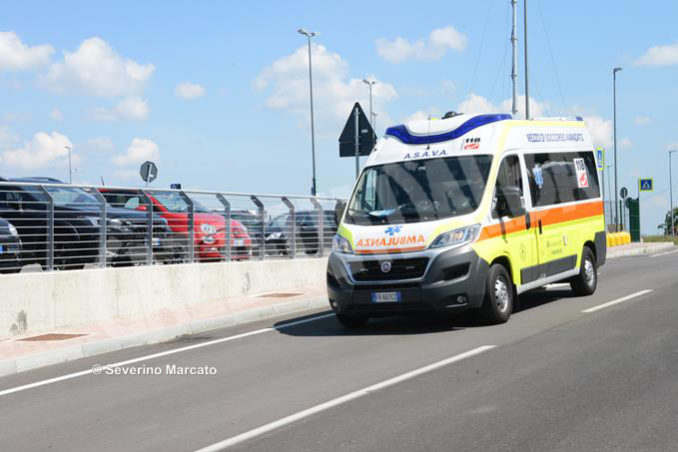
x=385, y=267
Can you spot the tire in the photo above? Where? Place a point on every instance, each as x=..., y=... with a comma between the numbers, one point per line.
x=586, y=281
x=499, y=295
x=352, y=321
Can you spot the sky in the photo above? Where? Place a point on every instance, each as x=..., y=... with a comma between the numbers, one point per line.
x=216, y=92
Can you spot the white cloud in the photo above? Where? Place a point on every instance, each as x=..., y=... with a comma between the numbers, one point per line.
x=100, y=144
x=475, y=103
x=138, y=152
x=41, y=151
x=96, y=69
x=448, y=87
x=56, y=114
x=600, y=130
x=625, y=143
x=333, y=90
x=435, y=47
x=132, y=108
x=126, y=173
x=642, y=120
x=188, y=90
x=17, y=56
x=665, y=55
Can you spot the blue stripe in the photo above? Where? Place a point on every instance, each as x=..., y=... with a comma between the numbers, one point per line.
x=400, y=132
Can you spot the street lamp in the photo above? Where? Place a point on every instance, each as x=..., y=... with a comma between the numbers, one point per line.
x=370, y=83
x=673, y=227
x=608, y=189
x=616, y=165
x=309, y=35
x=70, y=168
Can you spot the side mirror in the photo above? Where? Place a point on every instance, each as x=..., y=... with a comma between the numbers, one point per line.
x=339, y=209
x=509, y=202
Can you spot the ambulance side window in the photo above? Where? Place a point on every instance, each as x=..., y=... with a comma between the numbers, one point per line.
x=509, y=180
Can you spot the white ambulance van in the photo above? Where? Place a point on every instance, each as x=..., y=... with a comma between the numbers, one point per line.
x=468, y=212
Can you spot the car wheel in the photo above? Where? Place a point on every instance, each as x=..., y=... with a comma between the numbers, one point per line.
x=352, y=321
x=586, y=281
x=498, y=303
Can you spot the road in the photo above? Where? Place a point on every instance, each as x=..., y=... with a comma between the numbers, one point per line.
x=564, y=373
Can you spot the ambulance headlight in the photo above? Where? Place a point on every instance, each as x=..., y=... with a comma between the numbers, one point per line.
x=457, y=237
x=341, y=245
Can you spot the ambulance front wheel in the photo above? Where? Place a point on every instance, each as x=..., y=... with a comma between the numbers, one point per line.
x=585, y=282
x=499, y=295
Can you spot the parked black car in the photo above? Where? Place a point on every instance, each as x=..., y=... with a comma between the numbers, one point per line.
x=10, y=248
x=76, y=226
x=279, y=232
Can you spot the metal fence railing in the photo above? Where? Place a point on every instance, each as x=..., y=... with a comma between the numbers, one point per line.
x=58, y=226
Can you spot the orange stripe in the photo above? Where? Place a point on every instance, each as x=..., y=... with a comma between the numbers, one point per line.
x=555, y=215
x=390, y=250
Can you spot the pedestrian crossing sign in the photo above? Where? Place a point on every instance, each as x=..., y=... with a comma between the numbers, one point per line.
x=600, y=158
x=646, y=184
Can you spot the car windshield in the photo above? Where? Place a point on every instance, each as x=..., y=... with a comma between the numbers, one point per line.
x=420, y=190
x=174, y=202
x=71, y=196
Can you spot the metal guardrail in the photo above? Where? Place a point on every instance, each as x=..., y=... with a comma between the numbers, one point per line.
x=59, y=226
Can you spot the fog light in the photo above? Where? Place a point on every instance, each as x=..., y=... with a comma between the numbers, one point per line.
x=461, y=299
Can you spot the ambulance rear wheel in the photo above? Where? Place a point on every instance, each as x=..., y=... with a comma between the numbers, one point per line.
x=498, y=302
x=586, y=281
x=352, y=321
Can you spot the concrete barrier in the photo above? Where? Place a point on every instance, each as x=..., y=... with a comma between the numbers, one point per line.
x=32, y=302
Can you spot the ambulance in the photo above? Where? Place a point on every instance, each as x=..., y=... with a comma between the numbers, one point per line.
x=468, y=212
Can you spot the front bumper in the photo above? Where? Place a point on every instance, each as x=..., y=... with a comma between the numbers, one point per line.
x=10, y=251
x=454, y=280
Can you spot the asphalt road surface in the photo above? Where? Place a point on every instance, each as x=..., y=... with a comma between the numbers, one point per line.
x=564, y=373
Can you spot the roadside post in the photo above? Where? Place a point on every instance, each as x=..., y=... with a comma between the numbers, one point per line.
x=357, y=138
x=623, y=194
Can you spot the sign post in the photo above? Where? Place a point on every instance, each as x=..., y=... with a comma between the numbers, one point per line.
x=148, y=172
x=357, y=138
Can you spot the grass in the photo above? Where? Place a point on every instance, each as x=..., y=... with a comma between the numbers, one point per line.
x=658, y=238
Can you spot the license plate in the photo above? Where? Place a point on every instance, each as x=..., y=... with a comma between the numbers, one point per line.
x=2, y=249
x=238, y=242
x=386, y=297
x=156, y=241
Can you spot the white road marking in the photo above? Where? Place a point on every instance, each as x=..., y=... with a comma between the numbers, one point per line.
x=617, y=301
x=341, y=400
x=664, y=253
x=160, y=354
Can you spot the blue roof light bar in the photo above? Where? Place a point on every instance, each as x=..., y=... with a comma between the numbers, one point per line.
x=400, y=132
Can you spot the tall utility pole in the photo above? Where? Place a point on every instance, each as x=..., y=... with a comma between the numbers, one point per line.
x=608, y=191
x=527, y=85
x=70, y=167
x=673, y=226
x=514, y=68
x=614, y=126
x=370, y=83
x=309, y=35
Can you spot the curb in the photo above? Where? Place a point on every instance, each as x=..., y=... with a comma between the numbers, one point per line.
x=29, y=362
x=640, y=251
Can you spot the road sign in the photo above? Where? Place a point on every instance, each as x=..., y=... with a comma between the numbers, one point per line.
x=175, y=186
x=600, y=158
x=624, y=192
x=646, y=184
x=366, y=136
x=148, y=172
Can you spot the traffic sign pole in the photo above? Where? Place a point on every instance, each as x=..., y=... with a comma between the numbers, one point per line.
x=356, y=114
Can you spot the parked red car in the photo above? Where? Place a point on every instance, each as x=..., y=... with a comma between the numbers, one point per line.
x=209, y=228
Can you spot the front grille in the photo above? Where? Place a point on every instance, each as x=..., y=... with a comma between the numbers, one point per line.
x=400, y=269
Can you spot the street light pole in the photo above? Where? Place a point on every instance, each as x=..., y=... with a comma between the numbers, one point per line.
x=309, y=35
x=616, y=165
x=70, y=168
x=370, y=83
x=608, y=190
x=673, y=226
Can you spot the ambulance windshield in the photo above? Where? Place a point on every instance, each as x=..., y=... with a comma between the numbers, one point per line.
x=419, y=190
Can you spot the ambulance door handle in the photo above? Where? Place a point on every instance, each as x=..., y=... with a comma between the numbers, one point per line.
x=528, y=221
x=540, y=227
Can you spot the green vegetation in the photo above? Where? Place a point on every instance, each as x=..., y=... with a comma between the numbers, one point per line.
x=658, y=238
